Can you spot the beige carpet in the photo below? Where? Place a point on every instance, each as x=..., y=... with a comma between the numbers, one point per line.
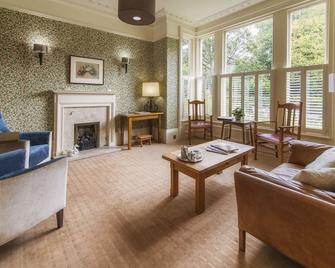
x=119, y=214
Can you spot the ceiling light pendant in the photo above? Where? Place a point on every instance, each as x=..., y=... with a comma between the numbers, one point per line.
x=137, y=12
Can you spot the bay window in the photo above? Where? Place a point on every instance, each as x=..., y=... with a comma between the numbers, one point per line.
x=306, y=76
x=248, y=59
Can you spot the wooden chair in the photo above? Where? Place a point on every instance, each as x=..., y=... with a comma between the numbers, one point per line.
x=287, y=128
x=197, y=118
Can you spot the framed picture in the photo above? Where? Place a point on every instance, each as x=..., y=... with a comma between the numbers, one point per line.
x=86, y=71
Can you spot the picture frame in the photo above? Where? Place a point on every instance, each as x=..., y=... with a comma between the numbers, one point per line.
x=84, y=70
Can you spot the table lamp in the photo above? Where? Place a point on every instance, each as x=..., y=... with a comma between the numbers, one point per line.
x=151, y=90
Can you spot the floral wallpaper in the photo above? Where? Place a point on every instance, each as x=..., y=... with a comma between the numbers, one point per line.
x=25, y=87
x=166, y=54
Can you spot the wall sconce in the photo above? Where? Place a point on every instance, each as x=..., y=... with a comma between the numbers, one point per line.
x=332, y=82
x=125, y=63
x=40, y=50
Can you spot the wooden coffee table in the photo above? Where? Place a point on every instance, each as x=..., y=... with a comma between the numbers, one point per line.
x=212, y=164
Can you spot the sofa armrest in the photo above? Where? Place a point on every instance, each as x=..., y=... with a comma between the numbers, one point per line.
x=37, y=138
x=31, y=196
x=305, y=152
x=288, y=220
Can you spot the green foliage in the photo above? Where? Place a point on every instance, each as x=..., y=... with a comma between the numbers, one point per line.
x=208, y=54
x=308, y=36
x=238, y=113
x=250, y=48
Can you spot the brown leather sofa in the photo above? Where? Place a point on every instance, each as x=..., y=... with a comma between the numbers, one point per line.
x=296, y=219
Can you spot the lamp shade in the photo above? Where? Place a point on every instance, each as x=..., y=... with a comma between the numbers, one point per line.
x=332, y=82
x=150, y=89
x=137, y=12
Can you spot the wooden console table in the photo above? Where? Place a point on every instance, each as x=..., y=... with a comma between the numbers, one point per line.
x=130, y=118
x=243, y=124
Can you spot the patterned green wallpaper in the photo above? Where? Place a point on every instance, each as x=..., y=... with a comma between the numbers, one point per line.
x=25, y=86
x=166, y=54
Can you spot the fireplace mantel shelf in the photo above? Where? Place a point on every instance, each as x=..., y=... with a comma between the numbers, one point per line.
x=81, y=93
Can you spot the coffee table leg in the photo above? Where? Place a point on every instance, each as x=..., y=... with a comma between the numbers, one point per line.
x=199, y=195
x=245, y=160
x=174, y=181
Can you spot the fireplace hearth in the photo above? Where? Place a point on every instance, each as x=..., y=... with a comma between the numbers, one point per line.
x=86, y=135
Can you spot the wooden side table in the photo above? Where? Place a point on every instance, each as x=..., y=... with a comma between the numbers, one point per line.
x=130, y=118
x=243, y=124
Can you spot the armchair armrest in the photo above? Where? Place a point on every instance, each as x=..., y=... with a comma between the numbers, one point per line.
x=6, y=147
x=304, y=152
x=9, y=136
x=37, y=138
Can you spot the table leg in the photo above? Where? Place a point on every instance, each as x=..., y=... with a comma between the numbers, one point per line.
x=251, y=135
x=229, y=131
x=243, y=134
x=130, y=129
x=222, y=131
x=199, y=195
x=245, y=160
x=174, y=181
x=122, y=130
x=158, y=128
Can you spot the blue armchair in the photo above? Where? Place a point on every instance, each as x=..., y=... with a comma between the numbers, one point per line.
x=40, y=143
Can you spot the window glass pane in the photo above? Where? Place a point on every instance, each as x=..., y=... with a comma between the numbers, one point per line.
x=249, y=97
x=249, y=48
x=308, y=36
x=314, y=99
x=264, y=97
x=225, y=97
x=236, y=92
x=207, y=56
x=186, y=51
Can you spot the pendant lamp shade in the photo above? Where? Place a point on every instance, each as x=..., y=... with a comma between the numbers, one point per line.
x=137, y=12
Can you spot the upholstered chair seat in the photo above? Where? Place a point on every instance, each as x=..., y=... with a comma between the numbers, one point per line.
x=273, y=138
x=201, y=124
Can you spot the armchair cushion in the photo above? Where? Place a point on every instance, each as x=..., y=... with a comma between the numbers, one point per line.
x=3, y=125
x=273, y=137
x=36, y=138
x=38, y=153
x=12, y=161
x=304, y=152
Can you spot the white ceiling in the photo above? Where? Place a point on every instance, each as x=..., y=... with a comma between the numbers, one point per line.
x=193, y=12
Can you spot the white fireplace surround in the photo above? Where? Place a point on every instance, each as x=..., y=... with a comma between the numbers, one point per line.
x=81, y=107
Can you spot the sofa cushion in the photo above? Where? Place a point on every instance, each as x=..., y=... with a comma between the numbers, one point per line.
x=12, y=161
x=323, y=178
x=3, y=125
x=38, y=153
x=305, y=152
x=287, y=170
x=325, y=160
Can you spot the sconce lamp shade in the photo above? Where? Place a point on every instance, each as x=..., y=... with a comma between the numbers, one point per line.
x=137, y=12
x=332, y=82
x=150, y=89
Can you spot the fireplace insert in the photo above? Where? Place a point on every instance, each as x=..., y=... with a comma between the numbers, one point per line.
x=86, y=135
